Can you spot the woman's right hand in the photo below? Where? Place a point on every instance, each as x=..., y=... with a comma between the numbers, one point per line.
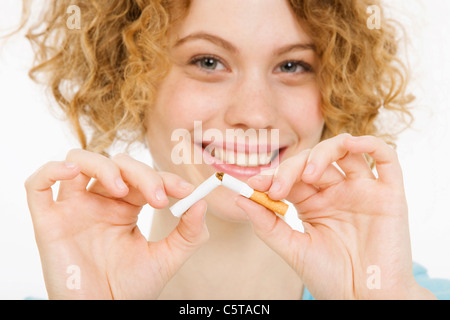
x=88, y=239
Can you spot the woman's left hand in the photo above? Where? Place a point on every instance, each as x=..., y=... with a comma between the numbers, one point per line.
x=356, y=243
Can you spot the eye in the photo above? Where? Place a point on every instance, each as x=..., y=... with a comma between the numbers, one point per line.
x=294, y=67
x=208, y=63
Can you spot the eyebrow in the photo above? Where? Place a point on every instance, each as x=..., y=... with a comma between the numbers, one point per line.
x=297, y=46
x=230, y=47
x=209, y=37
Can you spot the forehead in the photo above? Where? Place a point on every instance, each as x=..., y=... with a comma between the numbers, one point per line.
x=244, y=22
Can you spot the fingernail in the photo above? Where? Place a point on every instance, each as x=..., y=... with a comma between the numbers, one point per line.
x=276, y=186
x=120, y=184
x=309, y=169
x=257, y=178
x=269, y=172
x=185, y=185
x=70, y=165
x=160, y=194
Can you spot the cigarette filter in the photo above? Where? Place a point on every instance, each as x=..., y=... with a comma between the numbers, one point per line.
x=199, y=193
x=262, y=198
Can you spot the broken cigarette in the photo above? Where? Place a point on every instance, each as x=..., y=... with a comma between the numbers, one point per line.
x=199, y=193
x=179, y=208
x=259, y=197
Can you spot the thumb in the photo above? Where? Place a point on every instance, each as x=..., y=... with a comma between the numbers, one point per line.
x=277, y=234
x=190, y=233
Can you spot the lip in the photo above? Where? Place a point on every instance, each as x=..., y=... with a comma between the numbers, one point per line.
x=240, y=172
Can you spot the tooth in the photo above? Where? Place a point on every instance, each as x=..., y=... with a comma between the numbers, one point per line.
x=272, y=155
x=241, y=159
x=229, y=156
x=264, y=158
x=253, y=159
x=210, y=150
x=218, y=153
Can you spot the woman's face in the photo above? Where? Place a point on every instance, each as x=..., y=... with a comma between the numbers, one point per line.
x=239, y=67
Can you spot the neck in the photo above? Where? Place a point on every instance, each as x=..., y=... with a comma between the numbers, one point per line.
x=233, y=264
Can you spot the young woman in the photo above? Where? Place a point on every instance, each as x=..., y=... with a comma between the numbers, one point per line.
x=139, y=70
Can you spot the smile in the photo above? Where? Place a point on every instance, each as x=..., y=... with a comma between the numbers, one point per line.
x=242, y=161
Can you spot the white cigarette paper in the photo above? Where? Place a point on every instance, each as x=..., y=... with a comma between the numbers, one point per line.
x=179, y=208
x=237, y=185
x=199, y=193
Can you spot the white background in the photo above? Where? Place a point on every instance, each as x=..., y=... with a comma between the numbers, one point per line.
x=30, y=135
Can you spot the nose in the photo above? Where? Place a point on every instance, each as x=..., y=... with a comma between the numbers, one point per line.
x=251, y=104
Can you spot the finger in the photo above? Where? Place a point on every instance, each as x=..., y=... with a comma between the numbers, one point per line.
x=301, y=192
x=279, y=183
x=148, y=185
x=324, y=155
x=287, y=174
x=355, y=166
x=68, y=188
x=99, y=167
x=190, y=233
x=386, y=159
x=261, y=182
x=287, y=183
x=78, y=184
x=276, y=233
x=38, y=185
x=329, y=177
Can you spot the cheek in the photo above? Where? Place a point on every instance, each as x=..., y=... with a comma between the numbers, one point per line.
x=302, y=109
x=179, y=104
x=183, y=101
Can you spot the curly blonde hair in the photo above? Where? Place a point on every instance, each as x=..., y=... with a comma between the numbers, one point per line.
x=105, y=75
